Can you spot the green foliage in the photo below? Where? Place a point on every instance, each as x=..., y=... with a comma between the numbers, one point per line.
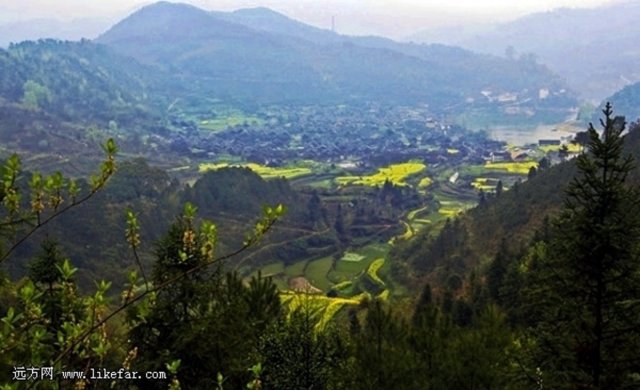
x=584, y=284
x=295, y=355
x=36, y=95
x=204, y=313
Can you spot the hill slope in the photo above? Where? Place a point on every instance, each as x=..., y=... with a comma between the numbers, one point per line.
x=510, y=221
x=627, y=100
x=262, y=56
x=594, y=49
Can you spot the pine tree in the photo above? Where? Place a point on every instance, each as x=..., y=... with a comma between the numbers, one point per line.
x=209, y=320
x=587, y=282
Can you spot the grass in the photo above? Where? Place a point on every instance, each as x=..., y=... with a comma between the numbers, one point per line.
x=520, y=168
x=350, y=270
x=449, y=207
x=472, y=170
x=324, y=184
x=228, y=117
x=264, y=171
x=272, y=269
x=316, y=273
x=296, y=269
x=395, y=173
x=350, y=256
x=372, y=271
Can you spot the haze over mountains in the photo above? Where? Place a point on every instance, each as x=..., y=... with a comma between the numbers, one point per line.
x=270, y=58
x=74, y=30
x=594, y=49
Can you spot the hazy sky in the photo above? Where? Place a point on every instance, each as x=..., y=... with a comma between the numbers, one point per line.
x=392, y=18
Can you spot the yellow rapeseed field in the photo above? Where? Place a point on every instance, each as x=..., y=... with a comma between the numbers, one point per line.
x=264, y=171
x=395, y=173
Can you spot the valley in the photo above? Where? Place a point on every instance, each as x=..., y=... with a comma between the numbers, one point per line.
x=242, y=200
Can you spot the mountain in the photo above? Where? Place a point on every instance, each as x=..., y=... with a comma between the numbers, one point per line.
x=507, y=223
x=261, y=56
x=595, y=50
x=627, y=100
x=59, y=100
x=267, y=20
x=232, y=197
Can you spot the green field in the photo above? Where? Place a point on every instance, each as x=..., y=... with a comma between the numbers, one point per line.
x=316, y=273
x=228, y=117
x=296, y=269
x=348, y=271
x=350, y=256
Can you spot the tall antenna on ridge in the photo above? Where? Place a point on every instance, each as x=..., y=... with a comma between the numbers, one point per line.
x=333, y=24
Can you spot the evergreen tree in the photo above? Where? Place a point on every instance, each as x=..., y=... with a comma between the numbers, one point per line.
x=383, y=356
x=297, y=355
x=499, y=188
x=208, y=320
x=586, y=283
x=497, y=270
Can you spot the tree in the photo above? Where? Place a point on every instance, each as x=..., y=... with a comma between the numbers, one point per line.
x=36, y=95
x=208, y=320
x=499, y=188
x=586, y=281
x=46, y=315
x=297, y=355
x=563, y=153
x=383, y=357
x=581, y=138
x=497, y=271
x=544, y=164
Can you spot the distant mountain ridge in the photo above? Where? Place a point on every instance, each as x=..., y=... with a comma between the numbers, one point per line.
x=627, y=101
x=595, y=49
x=35, y=29
x=260, y=55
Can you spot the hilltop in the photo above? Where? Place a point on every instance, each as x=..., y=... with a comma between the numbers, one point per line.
x=265, y=57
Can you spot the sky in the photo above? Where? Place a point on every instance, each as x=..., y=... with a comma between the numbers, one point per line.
x=394, y=19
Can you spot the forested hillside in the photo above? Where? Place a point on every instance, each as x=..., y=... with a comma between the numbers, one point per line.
x=225, y=200
x=500, y=223
x=282, y=61
x=506, y=322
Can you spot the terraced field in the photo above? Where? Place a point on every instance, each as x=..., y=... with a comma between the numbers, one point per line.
x=264, y=171
x=225, y=118
x=520, y=168
x=321, y=307
x=396, y=173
